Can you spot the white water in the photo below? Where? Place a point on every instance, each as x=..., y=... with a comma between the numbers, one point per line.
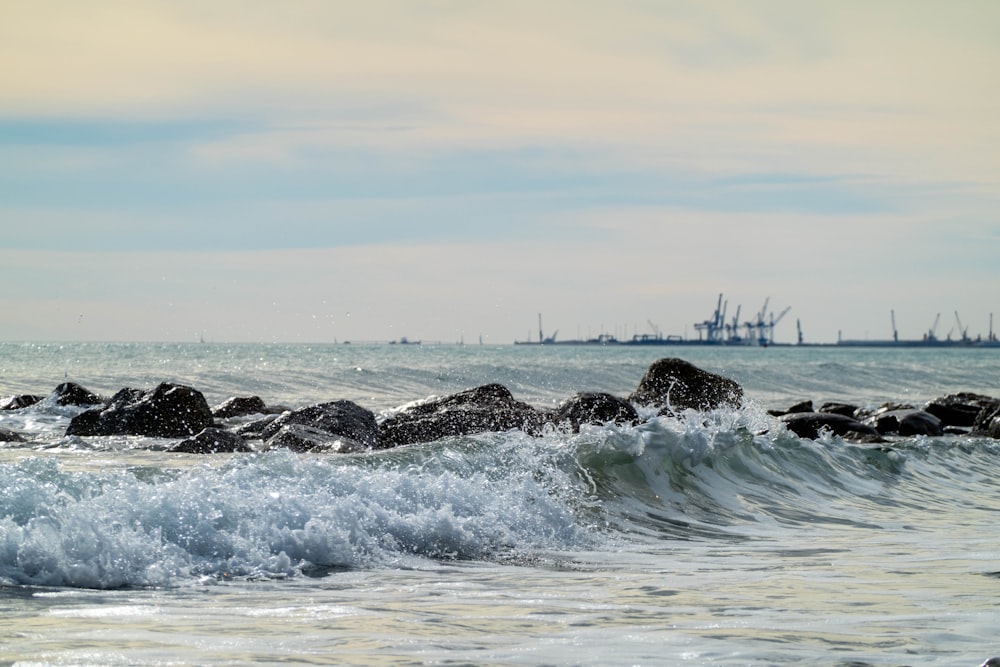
x=700, y=541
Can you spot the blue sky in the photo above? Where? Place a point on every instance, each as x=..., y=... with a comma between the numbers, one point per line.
x=319, y=171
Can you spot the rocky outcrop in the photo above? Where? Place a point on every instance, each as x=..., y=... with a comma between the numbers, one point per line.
x=70, y=393
x=804, y=406
x=240, y=406
x=988, y=421
x=595, y=408
x=675, y=384
x=18, y=402
x=482, y=409
x=333, y=426
x=168, y=411
x=6, y=435
x=212, y=440
x=905, y=422
x=959, y=409
x=811, y=424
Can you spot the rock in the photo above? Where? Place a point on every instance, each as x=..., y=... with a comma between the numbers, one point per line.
x=70, y=393
x=238, y=406
x=302, y=438
x=482, y=409
x=675, y=384
x=988, y=421
x=804, y=406
x=327, y=423
x=18, y=402
x=168, y=411
x=6, y=435
x=595, y=408
x=959, y=409
x=809, y=425
x=906, y=422
x=212, y=440
x=845, y=409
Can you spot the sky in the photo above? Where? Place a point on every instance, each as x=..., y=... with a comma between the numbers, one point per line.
x=322, y=171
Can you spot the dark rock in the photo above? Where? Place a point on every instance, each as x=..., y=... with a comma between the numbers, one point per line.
x=6, y=435
x=302, y=438
x=70, y=393
x=336, y=421
x=595, y=408
x=959, y=409
x=675, y=384
x=18, y=402
x=804, y=406
x=809, y=425
x=256, y=428
x=212, y=441
x=845, y=409
x=168, y=411
x=482, y=409
x=906, y=422
x=238, y=406
x=988, y=421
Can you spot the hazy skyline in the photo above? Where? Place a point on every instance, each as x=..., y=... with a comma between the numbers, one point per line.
x=316, y=171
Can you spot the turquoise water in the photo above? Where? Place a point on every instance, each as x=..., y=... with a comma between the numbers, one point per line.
x=718, y=538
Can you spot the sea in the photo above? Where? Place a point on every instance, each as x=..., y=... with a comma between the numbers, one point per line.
x=708, y=538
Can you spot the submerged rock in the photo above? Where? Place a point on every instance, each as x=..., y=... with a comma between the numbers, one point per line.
x=675, y=384
x=168, y=411
x=595, y=408
x=482, y=409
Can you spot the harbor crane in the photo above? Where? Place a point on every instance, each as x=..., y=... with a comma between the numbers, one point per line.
x=932, y=332
x=963, y=331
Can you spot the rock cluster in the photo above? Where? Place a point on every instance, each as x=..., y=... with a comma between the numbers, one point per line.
x=956, y=414
x=669, y=385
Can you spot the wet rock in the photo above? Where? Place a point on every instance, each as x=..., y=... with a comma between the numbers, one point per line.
x=302, y=438
x=804, y=406
x=18, y=402
x=239, y=406
x=595, y=408
x=482, y=409
x=675, y=384
x=906, y=422
x=70, y=393
x=959, y=409
x=846, y=409
x=325, y=424
x=809, y=425
x=6, y=435
x=988, y=422
x=212, y=441
x=168, y=411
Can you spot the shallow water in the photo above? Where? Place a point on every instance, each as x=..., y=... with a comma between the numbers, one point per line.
x=717, y=538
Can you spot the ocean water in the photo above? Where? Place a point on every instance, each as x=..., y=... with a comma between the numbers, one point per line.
x=715, y=538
